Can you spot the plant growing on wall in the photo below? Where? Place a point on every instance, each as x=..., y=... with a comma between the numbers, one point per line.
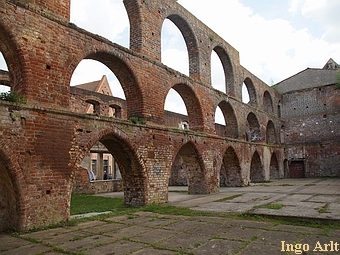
x=12, y=96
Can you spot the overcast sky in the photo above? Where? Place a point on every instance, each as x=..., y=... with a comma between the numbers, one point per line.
x=276, y=39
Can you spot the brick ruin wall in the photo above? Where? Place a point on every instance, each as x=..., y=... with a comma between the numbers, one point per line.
x=311, y=129
x=44, y=140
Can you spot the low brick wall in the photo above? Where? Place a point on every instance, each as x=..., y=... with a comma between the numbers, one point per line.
x=104, y=186
x=95, y=187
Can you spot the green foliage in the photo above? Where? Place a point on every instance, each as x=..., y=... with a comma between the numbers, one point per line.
x=274, y=206
x=81, y=204
x=137, y=120
x=12, y=96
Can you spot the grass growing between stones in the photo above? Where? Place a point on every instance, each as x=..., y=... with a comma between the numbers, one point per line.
x=90, y=203
x=273, y=206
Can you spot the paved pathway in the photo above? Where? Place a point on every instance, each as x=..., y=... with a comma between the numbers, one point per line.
x=151, y=233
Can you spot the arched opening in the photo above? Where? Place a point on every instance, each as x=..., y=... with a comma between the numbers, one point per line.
x=8, y=200
x=188, y=170
x=253, y=133
x=230, y=175
x=191, y=45
x=93, y=107
x=115, y=83
x=175, y=111
x=11, y=74
x=182, y=108
x=286, y=169
x=217, y=73
x=94, y=76
x=245, y=94
x=249, y=92
x=270, y=133
x=274, y=167
x=97, y=18
x=268, y=102
x=226, y=124
x=113, y=160
x=256, y=169
x=174, y=51
x=222, y=71
x=282, y=134
x=92, y=79
x=4, y=76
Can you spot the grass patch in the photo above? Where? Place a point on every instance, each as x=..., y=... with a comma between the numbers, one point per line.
x=81, y=204
x=273, y=206
x=310, y=184
x=285, y=184
x=323, y=209
x=228, y=198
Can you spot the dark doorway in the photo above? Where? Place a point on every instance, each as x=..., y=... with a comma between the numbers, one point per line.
x=297, y=169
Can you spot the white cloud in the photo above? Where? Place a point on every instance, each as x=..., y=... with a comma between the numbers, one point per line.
x=108, y=19
x=272, y=49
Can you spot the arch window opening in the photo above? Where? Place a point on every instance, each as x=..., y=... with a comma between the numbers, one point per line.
x=256, y=169
x=245, y=94
x=186, y=170
x=220, y=123
x=89, y=73
x=4, y=76
x=226, y=121
x=230, y=175
x=96, y=18
x=111, y=165
x=175, y=111
x=92, y=79
x=217, y=73
x=249, y=92
x=274, y=167
x=174, y=51
x=253, y=133
x=268, y=102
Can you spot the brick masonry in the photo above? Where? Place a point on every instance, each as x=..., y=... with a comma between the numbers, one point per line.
x=44, y=140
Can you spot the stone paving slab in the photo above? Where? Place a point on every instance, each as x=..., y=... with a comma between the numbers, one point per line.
x=157, y=234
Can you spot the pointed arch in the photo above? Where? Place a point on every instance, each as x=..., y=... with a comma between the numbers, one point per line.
x=192, y=104
x=231, y=125
x=271, y=133
x=268, y=102
x=251, y=91
x=227, y=68
x=10, y=52
x=253, y=133
x=191, y=43
x=256, y=169
x=274, y=167
x=126, y=77
x=230, y=175
x=130, y=165
x=194, y=168
x=8, y=198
